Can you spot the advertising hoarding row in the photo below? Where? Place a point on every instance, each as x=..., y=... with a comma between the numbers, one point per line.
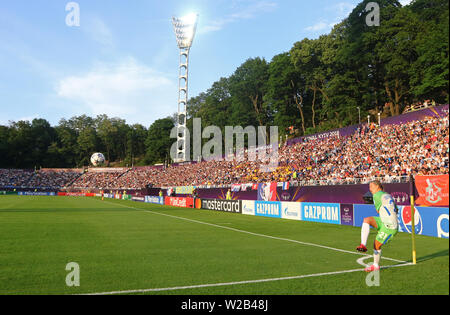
x=430, y=221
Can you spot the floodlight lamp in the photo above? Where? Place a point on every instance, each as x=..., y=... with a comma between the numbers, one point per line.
x=185, y=28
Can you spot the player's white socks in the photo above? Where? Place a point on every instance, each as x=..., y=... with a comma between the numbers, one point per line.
x=376, y=257
x=365, y=231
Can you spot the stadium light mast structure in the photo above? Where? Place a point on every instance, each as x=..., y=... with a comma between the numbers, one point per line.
x=185, y=29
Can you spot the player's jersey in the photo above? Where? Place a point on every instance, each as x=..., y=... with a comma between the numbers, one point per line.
x=387, y=209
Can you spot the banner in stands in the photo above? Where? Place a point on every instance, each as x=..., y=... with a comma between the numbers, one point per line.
x=184, y=190
x=433, y=190
x=179, y=202
x=291, y=210
x=323, y=135
x=234, y=206
x=29, y=193
x=321, y=212
x=268, y=209
x=430, y=221
x=248, y=207
x=154, y=199
x=267, y=191
x=347, y=214
x=346, y=194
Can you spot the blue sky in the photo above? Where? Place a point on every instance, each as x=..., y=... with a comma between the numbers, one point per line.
x=123, y=60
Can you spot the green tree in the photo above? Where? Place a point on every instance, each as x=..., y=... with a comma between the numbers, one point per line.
x=5, y=160
x=87, y=143
x=247, y=88
x=158, y=142
x=396, y=53
x=429, y=74
x=286, y=93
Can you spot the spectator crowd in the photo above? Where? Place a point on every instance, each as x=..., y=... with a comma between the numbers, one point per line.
x=387, y=152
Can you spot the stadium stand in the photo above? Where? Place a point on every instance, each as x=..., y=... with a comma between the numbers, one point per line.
x=390, y=152
x=98, y=178
x=15, y=178
x=53, y=179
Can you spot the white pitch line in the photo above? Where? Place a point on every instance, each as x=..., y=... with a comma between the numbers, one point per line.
x=255, y=234
x=238, y=282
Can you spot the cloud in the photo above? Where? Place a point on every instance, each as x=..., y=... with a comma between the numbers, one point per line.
x=244, y=10
x=97, y=29
x=343, y=10
x=340, y=11
x=127, y=89
x=405, y=2
x=320, y=26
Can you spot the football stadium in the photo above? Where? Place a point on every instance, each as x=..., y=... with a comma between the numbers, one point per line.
x=347, y=192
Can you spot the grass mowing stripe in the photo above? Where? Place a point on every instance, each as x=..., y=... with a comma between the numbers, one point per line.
x=255, y=234
x=239, y=282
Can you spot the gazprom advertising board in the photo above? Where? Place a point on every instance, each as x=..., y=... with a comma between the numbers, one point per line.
x=291, y=210
x=321, y=212
x=271, y=209
x=248, y=207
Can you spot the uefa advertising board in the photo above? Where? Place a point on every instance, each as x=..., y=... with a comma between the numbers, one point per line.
x=321, y=212
x=233, y=206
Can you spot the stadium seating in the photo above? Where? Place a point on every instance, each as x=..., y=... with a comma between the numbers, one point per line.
x=389, y=152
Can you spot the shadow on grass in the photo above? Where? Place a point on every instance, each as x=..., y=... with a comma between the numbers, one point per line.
x=442, y=253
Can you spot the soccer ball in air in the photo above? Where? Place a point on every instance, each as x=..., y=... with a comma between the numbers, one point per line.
x=97, y=159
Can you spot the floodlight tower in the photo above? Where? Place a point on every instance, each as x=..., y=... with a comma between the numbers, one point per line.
x=185, y=28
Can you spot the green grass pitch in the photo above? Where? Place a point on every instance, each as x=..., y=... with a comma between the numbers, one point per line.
x=127, y=246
